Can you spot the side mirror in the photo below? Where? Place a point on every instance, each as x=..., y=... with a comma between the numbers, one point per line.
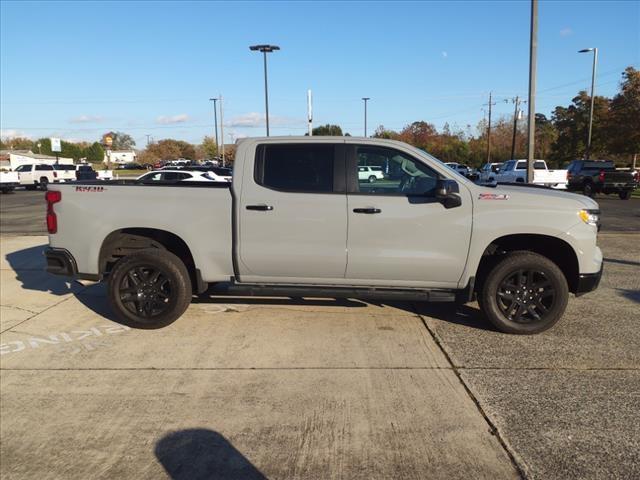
x=447, y=193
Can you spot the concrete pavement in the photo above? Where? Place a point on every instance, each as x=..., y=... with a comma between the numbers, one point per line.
x=273, y=388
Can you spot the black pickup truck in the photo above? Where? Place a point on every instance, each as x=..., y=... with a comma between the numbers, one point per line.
x=599, y=176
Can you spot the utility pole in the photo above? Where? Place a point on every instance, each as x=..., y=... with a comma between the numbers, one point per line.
x=215, y=120
x=148, y=135
x=221, y=129
x=533, y=53
x=516, y=117
x=366, y=99
x=309, y=113
x=489, y=131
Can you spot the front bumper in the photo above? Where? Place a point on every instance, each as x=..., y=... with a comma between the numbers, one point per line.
x=588, y=282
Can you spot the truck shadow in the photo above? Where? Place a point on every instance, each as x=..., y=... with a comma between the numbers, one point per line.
x=199, y=454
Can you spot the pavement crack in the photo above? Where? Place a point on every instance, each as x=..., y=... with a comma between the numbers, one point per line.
x=493, y=428
x=19, y=308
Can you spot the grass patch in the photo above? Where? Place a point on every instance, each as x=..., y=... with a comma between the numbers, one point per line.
x=129, y=173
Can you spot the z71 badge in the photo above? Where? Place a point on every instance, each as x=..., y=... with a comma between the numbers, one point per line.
x=493, y=196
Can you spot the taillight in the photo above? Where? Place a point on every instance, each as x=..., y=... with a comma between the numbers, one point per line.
x=55, y=174
x=52, y=221
x=569, y=175
x=601, y=176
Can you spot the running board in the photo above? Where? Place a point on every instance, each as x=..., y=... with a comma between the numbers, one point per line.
x=259, y=290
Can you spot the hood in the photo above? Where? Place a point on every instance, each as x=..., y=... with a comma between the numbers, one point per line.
x=535, y=195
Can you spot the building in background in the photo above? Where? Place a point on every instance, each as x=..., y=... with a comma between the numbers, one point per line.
x=14, y=158
x=120, y=157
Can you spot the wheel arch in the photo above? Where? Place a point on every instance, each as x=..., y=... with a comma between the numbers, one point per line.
x=124, y=241
x=555, y=249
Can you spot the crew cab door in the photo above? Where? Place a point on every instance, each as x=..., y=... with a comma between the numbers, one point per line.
x=292, y=214
x=399, y=233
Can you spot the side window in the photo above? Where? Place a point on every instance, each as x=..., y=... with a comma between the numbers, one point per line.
x=296, y=168
x=184, y=176
x=171, y=176
x=23, y=168
x=392, y=172
x=44, y=167
x=152, y=177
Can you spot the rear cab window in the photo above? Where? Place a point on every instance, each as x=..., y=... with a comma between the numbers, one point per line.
x=298, y=168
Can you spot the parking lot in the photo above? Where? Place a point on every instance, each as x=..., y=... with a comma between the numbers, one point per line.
x=314, y=388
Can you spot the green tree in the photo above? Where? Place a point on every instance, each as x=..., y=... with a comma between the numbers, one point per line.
x=122, y=141
x=208, y=148
x=328, y=130
x=94, y=153
x=382, y=132
x=624, y=123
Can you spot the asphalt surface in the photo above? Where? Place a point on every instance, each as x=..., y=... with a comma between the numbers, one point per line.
x=23, y=212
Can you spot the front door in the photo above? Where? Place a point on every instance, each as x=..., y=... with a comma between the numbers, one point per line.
x=399, y=233
x=292, y=213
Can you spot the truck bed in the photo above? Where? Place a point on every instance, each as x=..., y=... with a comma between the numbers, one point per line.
x=201, y=215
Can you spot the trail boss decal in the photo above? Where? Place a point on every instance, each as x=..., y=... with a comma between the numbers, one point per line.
x=90, y=189
x=493, y=196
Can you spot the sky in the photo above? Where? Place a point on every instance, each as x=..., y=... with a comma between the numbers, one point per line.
x=80, y=69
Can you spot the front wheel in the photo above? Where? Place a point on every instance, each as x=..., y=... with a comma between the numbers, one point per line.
x=625, y=195
x=524, y=293
x=44, y=182
x=372, y=179
x=149, y=289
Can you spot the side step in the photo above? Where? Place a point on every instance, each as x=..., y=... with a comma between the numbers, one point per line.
x=259, y=290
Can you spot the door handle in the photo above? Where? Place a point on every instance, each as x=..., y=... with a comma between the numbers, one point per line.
x=260, y=208
x=369, y=210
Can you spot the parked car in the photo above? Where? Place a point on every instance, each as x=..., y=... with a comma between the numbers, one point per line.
x=220, y=173
x=297, y=220
x=172, y=176
x=464, y=170
x=600, y=176
x=131, y=166
x=37, y=175
x=8, y=181
x=515, y=171
x=489, y=171
x=371, y=174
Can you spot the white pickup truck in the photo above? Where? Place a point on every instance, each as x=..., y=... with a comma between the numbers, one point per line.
x=37, y=175
x=515, y=171
x=8, y=181
x=297, y=220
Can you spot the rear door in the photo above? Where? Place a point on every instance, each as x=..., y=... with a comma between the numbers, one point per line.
x=292, y=214
x=399, y=234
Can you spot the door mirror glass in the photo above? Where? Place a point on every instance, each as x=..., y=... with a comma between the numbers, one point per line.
x=447, y=193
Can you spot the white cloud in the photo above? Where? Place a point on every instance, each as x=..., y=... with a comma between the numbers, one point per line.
x=11, y=133
x=87, y=119
x=254, y=119
x=566, y=31
x=444, y=54
x=169, y=120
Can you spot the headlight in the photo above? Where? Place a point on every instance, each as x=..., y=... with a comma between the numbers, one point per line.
x=590, y=217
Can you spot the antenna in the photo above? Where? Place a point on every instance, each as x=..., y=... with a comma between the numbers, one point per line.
x=309, y=112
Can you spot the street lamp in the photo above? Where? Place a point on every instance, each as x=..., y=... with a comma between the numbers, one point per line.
x=215, y=120
x=366, y=99
x=265, y=49
x=593, y=83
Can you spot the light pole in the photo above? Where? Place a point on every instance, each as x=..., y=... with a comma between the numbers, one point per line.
x=265, y=49
x=215, y=120
x=366, y=99
x=593, y=85
x=533, y=57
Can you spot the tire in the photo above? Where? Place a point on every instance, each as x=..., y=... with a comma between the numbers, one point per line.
x=372, y=179
x=587, y=189
x=44, y=182
x=625, y=194
x=138, y=300
x=509, y=311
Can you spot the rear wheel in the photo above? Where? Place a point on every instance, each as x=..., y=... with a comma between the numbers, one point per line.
x=372, y=179
x=44, y=182
x=587, y=189
x=149, y=289
x=625, y=194
x=524, y=293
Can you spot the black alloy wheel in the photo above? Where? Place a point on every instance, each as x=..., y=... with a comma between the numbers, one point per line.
x=145, y=291
x=525, y=296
